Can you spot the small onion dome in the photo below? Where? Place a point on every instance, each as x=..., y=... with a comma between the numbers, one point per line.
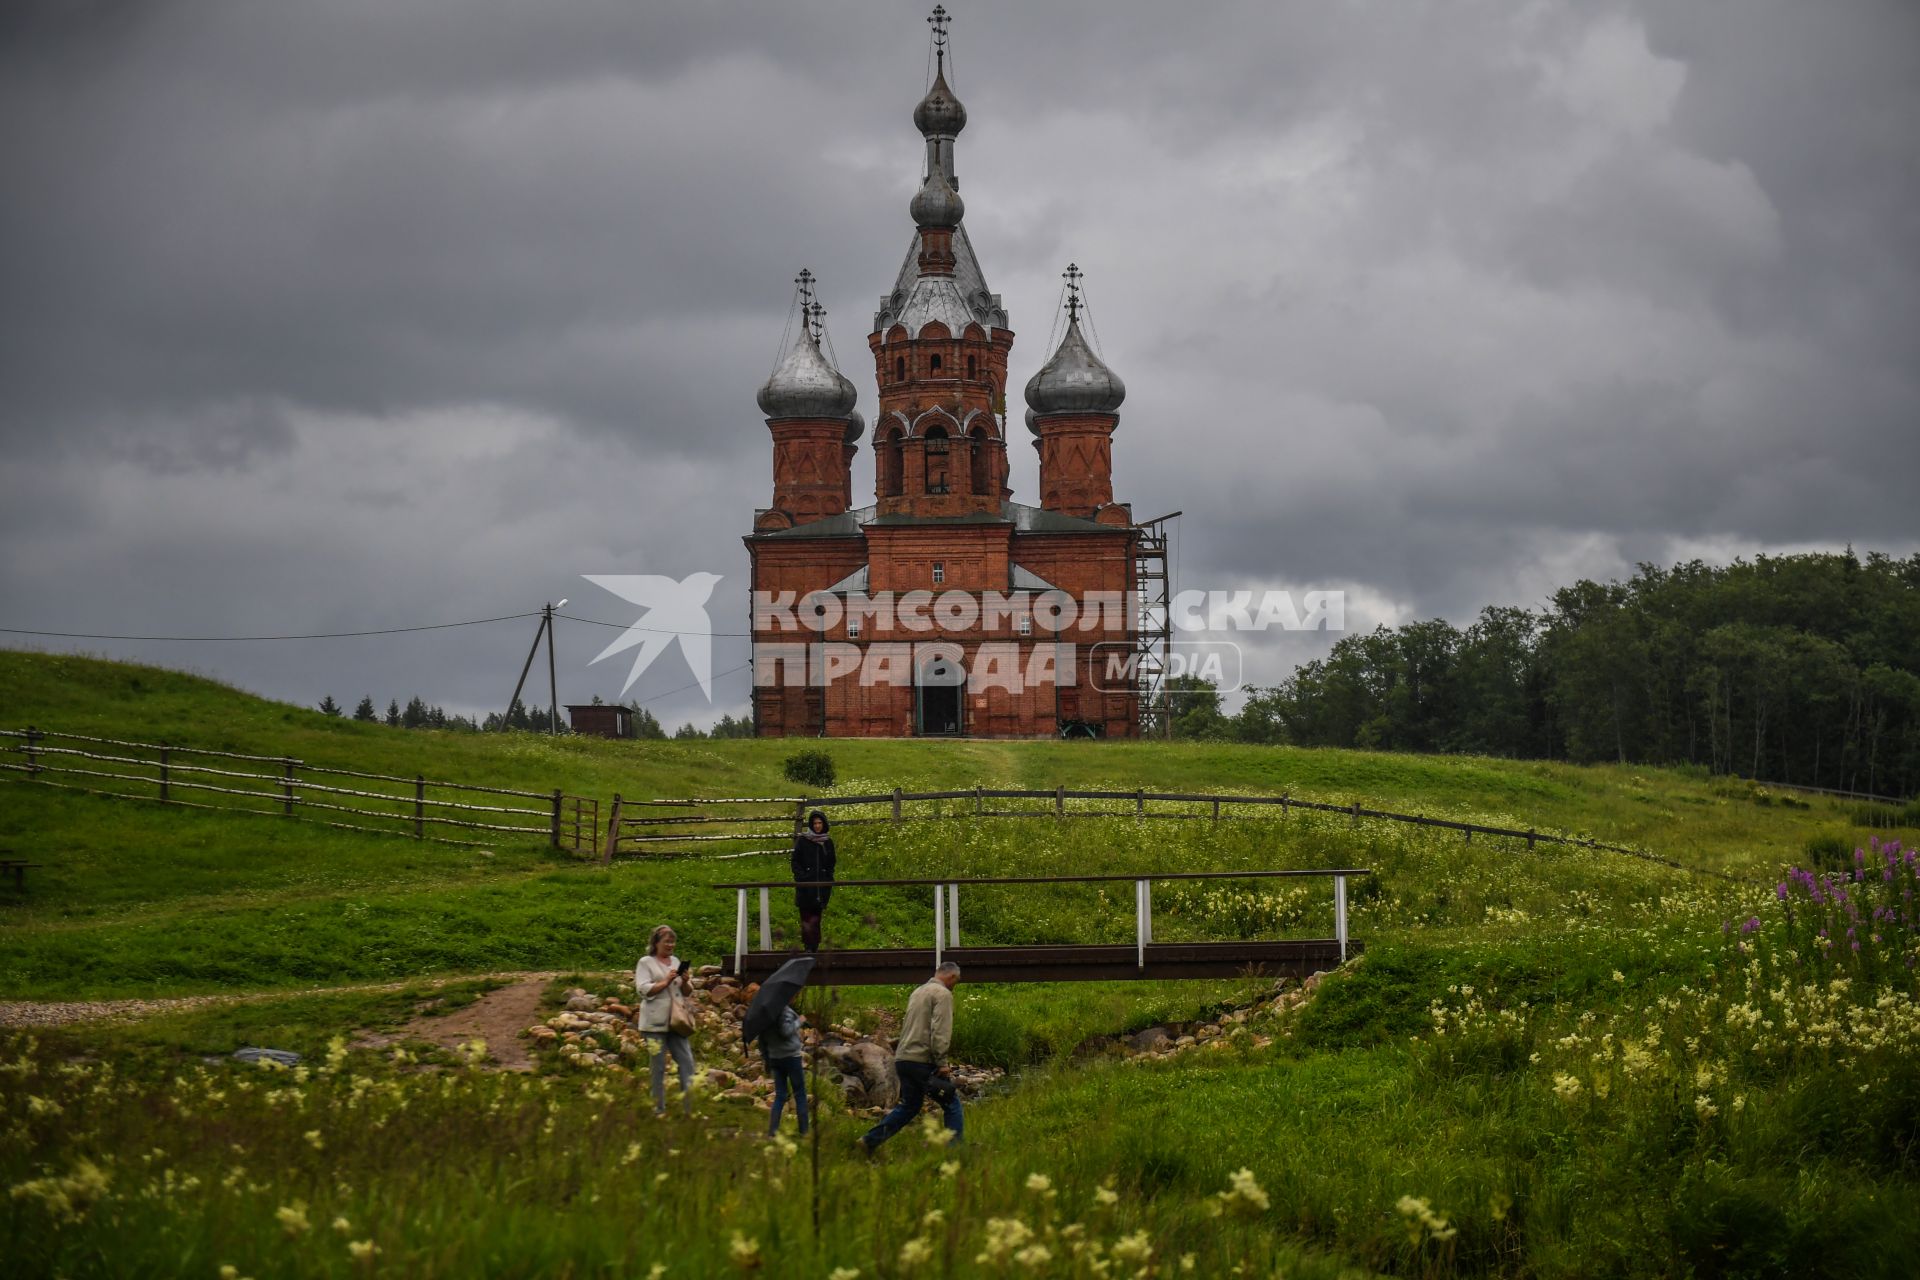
x=1033, y=423
x=856, y=427
x=936, y=203
x=806, y=386
x=1075, y=380
x=939, y=113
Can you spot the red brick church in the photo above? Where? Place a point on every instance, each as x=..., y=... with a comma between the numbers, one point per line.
x=943, y=519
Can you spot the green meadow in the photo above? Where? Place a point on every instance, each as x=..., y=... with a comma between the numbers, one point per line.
x=1557, y=1062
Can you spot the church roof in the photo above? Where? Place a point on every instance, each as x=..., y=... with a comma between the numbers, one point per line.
x=1023, y=518
x=955, y=301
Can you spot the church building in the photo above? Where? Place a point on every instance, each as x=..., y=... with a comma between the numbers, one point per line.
x=942, y=525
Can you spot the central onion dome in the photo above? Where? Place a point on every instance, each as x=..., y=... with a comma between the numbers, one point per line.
x=1075, y=380
x=806, y=386
x=936, y=203
x=939, y=113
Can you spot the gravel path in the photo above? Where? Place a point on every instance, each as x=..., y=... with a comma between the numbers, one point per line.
x=60, y=1013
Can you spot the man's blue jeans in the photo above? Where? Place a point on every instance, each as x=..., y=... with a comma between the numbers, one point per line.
x=913, y=1095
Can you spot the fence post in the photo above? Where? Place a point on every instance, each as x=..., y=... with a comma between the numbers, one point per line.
x=1340, y=914
x=740, y=935
x=1356, y=813
x=953, y=915
x=164, y=753
x=556, y=818
x=1216, y=811
x=419, y=807
x=1529, y=839
x=286, y=788
x=976, y=801
x=1286, y=803
x=613, y=831
x=939, y=922
x=766, y=922
x=1060, y=801
x=33, y=767
x=1140, y=923
x=1139, y=803
x=896, y=804
x=1469, y=835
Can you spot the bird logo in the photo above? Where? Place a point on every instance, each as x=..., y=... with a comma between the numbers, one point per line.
x=673, y=609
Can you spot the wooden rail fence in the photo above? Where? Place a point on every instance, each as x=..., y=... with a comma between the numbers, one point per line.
x=986, y=802
x=155, y=771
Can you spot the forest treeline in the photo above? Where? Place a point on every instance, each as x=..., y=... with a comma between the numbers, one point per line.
x=417, y=714
x=1798, y=668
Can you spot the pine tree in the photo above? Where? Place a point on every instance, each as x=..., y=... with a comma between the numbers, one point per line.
x=328, y=707
x=365, y=712
x=415, y=716
x=393, y=713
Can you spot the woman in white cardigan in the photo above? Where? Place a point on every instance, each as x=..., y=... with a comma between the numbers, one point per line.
x=653, y=980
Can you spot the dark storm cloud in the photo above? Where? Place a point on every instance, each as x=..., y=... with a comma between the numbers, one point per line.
x=334, y=315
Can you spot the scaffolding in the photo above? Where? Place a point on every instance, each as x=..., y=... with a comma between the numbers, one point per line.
x=1153, y=623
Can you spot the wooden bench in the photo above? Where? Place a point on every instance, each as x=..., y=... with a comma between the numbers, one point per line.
x=17, y=868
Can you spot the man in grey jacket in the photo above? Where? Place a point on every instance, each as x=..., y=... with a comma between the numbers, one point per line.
x=919, y=1058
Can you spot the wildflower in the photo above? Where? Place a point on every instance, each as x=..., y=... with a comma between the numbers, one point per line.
x=1187, y=1260
x=1034, y=1256
x=745, y=1252
x=68, y=1197
x=933, y=1217
x=1704, y=1108
x=1619, y=976
x=916, y=1251
x=1039, y=1183
x=1421, y=1220
x=844, y=1273
x=342, y=1226
x=1004, y=1235
x=659, y=1269
x=315, y=1141
x=632, y=1154
x=42, y=1106
x=1105, y=1195
x=1568, y=1087
x=293, y=1218
x=1133, y=1248
x=936, y=1133
x=362, y=1250
x=949, y=1167
x=1244, y=1189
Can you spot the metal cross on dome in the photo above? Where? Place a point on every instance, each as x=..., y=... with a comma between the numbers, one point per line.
x=816, y=319
x=1072, y=276
x=938, y=21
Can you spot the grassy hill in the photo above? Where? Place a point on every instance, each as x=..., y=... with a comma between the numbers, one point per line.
x=1582, y=1062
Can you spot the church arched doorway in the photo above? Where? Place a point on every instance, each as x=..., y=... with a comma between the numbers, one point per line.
x=939, y=686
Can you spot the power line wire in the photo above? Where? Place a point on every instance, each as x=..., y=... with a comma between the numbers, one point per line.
x=328, y=635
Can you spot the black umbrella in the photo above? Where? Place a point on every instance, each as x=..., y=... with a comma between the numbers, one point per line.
x=775, y=994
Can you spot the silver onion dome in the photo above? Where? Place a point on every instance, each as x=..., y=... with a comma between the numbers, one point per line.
x=856, y=427
x=939, y=113
x=1075, y=380
x=806, y=386
x=936, y=203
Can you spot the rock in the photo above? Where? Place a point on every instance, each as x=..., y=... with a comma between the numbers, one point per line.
x=1149, y=1040
x=618, y=1010
x=1207, y=1032
x=1183, y=1042
x=876, y=1073
x=718, y=1079
x=279, y=1057
x=582, y=1003
x=543, y=1035
x=706, y=971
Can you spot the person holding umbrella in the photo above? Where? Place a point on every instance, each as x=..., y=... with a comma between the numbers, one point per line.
x=775, y=1023
x=812, y=862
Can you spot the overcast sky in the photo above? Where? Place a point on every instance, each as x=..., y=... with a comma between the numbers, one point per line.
x=333, y=316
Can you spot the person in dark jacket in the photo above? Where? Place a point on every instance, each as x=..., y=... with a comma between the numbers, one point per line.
x=812, y=860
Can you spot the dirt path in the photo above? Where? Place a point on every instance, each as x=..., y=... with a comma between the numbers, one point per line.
x=59, y=1013
x=498, y=1017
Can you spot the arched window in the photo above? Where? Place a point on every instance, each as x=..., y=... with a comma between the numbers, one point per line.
x=937, y=446
x=972, y=372
x=892, y=470
x=899, y=368
x=933, y=365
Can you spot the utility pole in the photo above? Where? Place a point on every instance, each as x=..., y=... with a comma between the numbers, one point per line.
x=545, y=630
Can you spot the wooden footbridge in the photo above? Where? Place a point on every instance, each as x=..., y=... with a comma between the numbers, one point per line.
x=1143, y=958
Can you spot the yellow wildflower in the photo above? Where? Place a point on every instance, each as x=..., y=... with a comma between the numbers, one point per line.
x=362, y=1250
x=293, y=1218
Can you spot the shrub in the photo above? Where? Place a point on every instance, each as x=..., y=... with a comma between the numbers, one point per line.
x=1828, y=850
x=810, y=768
